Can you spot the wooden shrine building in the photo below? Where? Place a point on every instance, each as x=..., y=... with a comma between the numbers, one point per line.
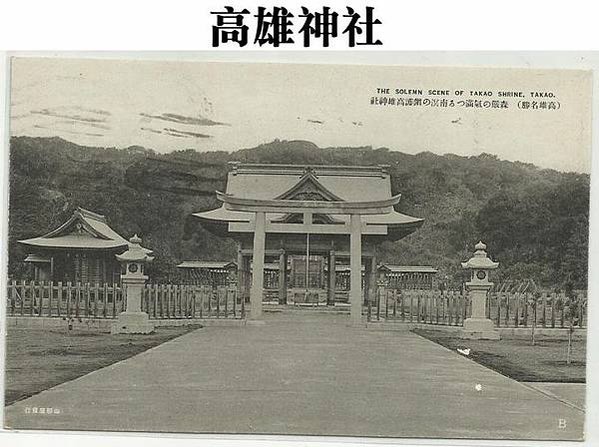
x=310, y=220
x=82, y=249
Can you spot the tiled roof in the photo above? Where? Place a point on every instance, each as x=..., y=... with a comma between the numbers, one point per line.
x=84, y=229
x=349, y=183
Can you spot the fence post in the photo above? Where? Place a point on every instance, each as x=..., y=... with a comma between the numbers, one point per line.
x=369, y=309
x=526, y=309
x=384, y=296
x=105, y=300
x=50, y=296
x=13, y=293
x=507, y=309
x=534, y=311
x=562, y=302
x=31, y=297
x=450, y=307
x=96, y=296
x=170, y=301
x=401, y=304
x=87, y=293
x=544, y=309
x=159, y=298
x=553, y=309
x=115, y=289
x=517, y=309
x=77, y=298
x=69, y=302
x=23, y=291
x=217, y=295
x=464, y=302
x=443, y=296
x=41, y=286
x=497, y=297
x=378, y=305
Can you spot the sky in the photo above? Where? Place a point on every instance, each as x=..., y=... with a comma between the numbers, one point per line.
x=204, y=106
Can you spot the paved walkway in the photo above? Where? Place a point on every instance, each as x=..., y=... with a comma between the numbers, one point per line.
x=302, y=374
x=571, y=393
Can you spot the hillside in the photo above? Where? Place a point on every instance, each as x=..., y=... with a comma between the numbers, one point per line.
x=535, y=222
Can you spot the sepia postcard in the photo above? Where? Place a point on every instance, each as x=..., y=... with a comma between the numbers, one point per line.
x=371, y=251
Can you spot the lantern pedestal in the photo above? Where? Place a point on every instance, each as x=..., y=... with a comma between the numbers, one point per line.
x=132, y=323
x=133, y=320
x=478, y=326
x=479, y=329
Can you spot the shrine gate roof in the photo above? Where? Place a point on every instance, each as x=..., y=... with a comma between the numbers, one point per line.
x=322, y=183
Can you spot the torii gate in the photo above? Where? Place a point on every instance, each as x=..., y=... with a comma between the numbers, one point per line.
x=308, y=208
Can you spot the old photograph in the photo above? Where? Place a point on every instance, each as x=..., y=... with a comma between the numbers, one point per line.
x=376, y=251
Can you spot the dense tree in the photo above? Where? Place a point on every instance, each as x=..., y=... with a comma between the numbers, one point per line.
x=534, y=221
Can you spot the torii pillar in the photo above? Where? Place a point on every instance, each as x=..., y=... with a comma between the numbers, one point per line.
x=257, y=290
x=307, y=207
x=355, y=264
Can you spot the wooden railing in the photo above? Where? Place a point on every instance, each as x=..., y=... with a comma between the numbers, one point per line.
x=187, y=301
x=58, y=299
x=84, y=300
x=505, y=309
x=420, y=306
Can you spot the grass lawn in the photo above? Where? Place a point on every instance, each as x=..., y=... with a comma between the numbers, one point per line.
x=515, y=357
x=40, y=359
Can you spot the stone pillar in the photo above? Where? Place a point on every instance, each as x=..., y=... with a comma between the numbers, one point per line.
x=282, y=277
x=478, y=326
x=240, y=274
x=355, y=293
x=133, y=289
x=257, y=291
x=332, y=279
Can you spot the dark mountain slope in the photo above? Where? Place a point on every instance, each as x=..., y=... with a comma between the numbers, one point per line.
x=534, y=221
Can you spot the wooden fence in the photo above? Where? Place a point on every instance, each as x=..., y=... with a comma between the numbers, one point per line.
x=188, y=301
x=420, y=306
x=167, y=301
x=505, y=309
x=58, y=299
x=84, y=300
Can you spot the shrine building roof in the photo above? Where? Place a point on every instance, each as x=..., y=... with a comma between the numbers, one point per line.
x=314, y=182
x=83, y=230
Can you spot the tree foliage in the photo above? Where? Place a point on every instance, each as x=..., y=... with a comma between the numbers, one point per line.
x=535, y=222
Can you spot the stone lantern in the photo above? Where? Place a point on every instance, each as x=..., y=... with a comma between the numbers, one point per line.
x=478, y=325
x=133, y=279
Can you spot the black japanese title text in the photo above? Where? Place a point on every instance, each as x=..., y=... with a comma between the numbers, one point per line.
x=276, y=27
